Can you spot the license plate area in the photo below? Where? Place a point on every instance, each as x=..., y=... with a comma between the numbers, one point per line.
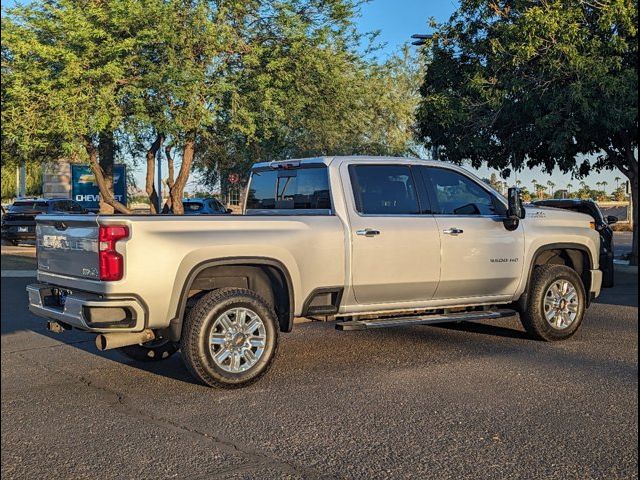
x=23, y=229
x=56, y=298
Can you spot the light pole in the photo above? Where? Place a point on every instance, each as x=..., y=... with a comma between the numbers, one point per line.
x=21, y=180
x=421, y=38
x=159, y=157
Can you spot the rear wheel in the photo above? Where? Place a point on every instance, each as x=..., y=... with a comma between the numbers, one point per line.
x=229, y=338
x=556, y=303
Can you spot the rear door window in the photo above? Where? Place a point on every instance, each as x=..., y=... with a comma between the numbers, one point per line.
x=384, y=189
x=302, y=190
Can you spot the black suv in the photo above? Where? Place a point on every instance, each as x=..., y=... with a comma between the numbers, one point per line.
x=19, y=222
x=602, y=224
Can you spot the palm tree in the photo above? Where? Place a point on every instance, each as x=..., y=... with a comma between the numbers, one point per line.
x=551, y=186
x=540, y=189
x=617, y=180
x=518, y=183
x=569, y=187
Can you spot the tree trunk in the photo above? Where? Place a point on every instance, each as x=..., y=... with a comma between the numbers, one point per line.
x=170, y=178
x=105, y=187
x=106, y=155
x=176, y=192
x=151, y=172
x=633, y=179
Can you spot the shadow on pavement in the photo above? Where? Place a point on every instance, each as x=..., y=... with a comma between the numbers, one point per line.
x=486, y=329
x=15, y=318
x=625, y=292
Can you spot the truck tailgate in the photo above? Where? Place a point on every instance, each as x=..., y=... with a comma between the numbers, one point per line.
x=68, y=245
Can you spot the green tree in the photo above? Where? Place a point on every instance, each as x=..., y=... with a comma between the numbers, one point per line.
x=68, y=68
x=518, y=84
x=33, y=179
x=306, y=91
x=619, y=195
x=526, y=194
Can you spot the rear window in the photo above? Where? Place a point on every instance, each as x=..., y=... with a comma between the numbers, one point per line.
x=28, y=206
x=192, y=206
x=303, y=190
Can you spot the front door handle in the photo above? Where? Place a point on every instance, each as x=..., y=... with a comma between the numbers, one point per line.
x=453, y=231
x=368, y=232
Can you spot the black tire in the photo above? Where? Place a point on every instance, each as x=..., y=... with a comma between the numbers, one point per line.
x=199, y=324
x=154, y=351
x=533, y=314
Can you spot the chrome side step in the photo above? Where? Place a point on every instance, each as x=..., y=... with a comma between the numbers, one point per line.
x=423, y=319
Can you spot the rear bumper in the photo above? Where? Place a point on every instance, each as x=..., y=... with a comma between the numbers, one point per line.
x=87, y=311
x=596, y=283
x=12, y=233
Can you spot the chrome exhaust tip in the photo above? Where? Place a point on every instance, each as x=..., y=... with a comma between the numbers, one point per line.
x=108, y=341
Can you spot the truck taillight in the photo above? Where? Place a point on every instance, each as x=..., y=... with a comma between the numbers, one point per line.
x=111, y=262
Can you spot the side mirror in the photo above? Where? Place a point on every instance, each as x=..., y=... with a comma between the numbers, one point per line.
x=229, y=210
x=516, y=210
x=611, y=219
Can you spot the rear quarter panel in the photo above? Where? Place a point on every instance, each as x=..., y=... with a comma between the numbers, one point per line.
x=162, y=252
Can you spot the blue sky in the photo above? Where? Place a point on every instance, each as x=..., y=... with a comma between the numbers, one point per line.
x=397, y=21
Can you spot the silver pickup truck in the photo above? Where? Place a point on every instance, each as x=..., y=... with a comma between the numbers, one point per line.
x=368, y=242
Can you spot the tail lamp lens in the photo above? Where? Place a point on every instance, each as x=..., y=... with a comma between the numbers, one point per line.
x=111, y=262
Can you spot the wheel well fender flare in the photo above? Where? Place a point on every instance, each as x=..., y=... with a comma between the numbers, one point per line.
x=558, y=246
x=285, y=321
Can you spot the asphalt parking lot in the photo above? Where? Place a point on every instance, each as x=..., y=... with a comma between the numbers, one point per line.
x=463, y=401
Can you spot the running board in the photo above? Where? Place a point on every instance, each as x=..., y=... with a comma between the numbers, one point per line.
x=424, y=319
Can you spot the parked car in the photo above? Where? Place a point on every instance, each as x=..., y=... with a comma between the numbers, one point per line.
x=601, y=223
x=373, y=242
x=19, y=224
x=204, y=206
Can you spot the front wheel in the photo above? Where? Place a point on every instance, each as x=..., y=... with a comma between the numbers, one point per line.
x=229, y=338
x=556, y=303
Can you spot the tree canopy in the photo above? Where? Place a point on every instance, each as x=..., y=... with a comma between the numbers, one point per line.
x=216, y=84
x=517, y=84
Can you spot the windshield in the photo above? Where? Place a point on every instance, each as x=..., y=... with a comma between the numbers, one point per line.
x=28, y=206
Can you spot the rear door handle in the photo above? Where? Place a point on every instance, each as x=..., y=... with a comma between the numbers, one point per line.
x=368, y=232
x=453, y=231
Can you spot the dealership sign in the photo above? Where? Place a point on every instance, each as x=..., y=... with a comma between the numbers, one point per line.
x=85, y=191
